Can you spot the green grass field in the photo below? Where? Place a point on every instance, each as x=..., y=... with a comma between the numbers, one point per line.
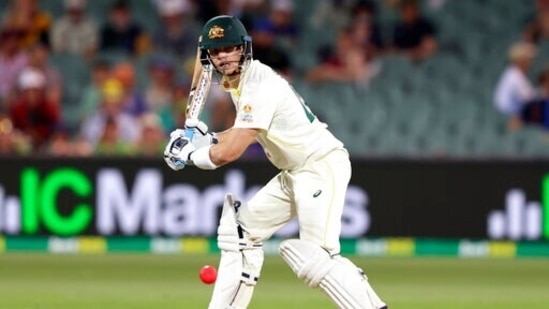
x=42, y=281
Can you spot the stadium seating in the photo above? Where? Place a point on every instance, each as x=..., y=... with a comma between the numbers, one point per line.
x=441, y=107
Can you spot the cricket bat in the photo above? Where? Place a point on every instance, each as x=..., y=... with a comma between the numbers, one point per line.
x=200, y=87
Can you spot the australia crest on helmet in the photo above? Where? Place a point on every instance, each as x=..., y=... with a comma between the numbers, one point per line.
x=216, y=32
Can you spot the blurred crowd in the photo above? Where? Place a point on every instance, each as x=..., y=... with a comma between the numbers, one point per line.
x=361, y=38
x=113, y=114
x=525, y=100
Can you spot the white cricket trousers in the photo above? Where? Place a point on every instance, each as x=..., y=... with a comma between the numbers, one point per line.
x=315, y=193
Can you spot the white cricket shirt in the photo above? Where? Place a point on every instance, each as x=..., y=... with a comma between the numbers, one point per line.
x=290, y=134
x=513, y=91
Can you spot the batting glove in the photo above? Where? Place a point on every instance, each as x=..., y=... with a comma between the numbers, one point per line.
x=178, y=150
x=197, y=125
x=200, y=135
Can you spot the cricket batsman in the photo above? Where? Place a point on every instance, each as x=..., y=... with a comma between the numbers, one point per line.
x=314, y=174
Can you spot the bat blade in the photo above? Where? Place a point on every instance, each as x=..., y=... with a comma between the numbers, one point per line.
x=198, y=96
x=200, y=87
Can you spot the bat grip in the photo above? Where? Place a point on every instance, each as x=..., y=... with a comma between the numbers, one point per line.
x=189, y=133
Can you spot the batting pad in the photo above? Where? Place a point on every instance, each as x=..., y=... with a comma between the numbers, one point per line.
x=240, y=263
x=339, y=278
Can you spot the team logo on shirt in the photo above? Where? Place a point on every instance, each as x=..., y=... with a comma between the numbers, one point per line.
x=216, y=32
x=246, y=116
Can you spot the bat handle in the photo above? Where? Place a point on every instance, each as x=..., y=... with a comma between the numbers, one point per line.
x=190, y=125
x=189, y=133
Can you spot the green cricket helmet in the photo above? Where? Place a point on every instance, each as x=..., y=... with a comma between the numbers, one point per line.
x=225, y=31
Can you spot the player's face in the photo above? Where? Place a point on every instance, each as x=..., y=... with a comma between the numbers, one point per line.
x=226, y=59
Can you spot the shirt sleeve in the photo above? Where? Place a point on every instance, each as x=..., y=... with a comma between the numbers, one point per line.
x=257, y=108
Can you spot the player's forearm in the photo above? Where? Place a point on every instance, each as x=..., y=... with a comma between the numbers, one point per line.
x=231, y=145
x=227, y=151
x=221, y=155
x=222, y=135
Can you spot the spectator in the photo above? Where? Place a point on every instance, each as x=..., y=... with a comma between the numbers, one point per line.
x=64, y=144
x=281, y=20
x=159, y=92
x=336, y=13
x=346, y=63
x=267, y=52
x=75, y=33
x=91, y=95
x=245, y=10
x=414, y=35
x=221, y=112
x=538, y=29
x=514, y=89
x=38, y=56
x=32, y=113
x=205, y=9
x=543, y=83
x=110, y=142
x=365, y=29
x=81, y=148
x=172, y=116
x=60, y=143
x=122, y=32
x=12, y=62
x=133, y=101
x=110, y=113
x=12, y=142
x=152, y=140
x=26, y=16
x=536, y=111
x=177, y=32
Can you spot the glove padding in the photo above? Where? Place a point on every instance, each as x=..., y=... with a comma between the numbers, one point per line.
x=184, y=141
x=197, y=125
x=196, y=137
x=178, y=151
x=200, y=135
